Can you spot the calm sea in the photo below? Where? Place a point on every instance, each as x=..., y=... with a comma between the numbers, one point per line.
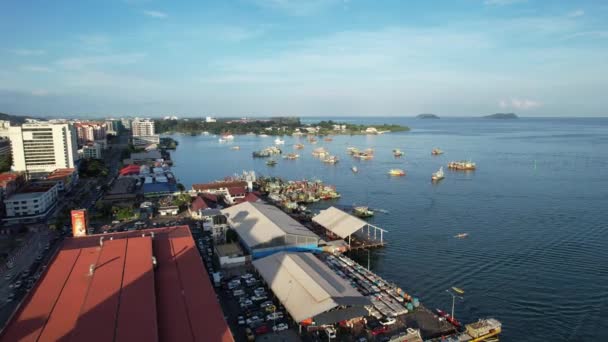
x=536, y=211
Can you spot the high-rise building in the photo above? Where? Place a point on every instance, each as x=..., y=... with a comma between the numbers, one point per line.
x=114, y=126
x=5, y=154
x=126, y=123
x=142, y=127
x=90, y=131
x=41, y=147
x=143, y=132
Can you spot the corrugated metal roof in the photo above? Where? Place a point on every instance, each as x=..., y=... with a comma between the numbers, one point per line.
x=260, y=223
x=125, y=299
x=339, y=222
x=305, y=285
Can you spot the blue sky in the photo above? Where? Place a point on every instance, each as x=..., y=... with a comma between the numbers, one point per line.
x=297, y=57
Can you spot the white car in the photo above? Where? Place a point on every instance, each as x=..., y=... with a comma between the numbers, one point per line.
x=280, y=327
x=258, y=298
x=331, y=332
x=274, y=316
x=388, y=321
x=252, y=319
x=259, y=291
x=265, y=304
x=247, y=276
x=241, y=320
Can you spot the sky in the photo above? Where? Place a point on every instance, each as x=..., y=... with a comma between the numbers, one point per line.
x=303, y=57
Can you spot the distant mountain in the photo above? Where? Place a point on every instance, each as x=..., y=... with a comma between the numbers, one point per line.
x=14, y=119
x=427, y=116
x=501, y=116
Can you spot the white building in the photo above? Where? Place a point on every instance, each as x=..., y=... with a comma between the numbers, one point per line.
x=42, y=146
x=143, y=132
x=32, y=203
x=210, y=119
x=92, y=151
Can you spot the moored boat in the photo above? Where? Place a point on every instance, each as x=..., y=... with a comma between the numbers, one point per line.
x=437, y=176
x=278, y=141
x=461, y=235
x=330, y=159
x=291, y=156
x=235, y=148
x=271, y=162
x=397, y=152
x=362, y=211
x=436, y=152
x=354, y=169
x=462, y=165
x=298, y=146
x=396, y=172
x=228, y=137
x=328, y=139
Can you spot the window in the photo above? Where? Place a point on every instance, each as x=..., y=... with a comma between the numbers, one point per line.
x=23, y=202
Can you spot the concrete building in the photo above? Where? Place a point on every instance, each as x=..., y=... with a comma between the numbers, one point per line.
x=114, y=126
x=90, y=131
x=41, y=147
x=5, y=153
x=66, y=178
x=210, y=119
x=92, y=151
x=264, y=229
x=126, y=123
x=231, y=255
x=31, y=203
x=131, y=286
x=143, y=132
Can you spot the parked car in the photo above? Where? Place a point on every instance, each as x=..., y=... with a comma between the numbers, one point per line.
x=252, y=319
x=379, y=330
x=249, y=334
x=262, y=329
x=258, y=298
x=270, y=308
x=241, y=320
x=274, y=316
x=259, y=291
x=245, y=304
x=388, y=321
x=266, y=304
x=331, y=332
x=247, y=276
x=280, y=327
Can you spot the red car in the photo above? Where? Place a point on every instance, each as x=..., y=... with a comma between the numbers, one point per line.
x=379, y=330
x=262, y=329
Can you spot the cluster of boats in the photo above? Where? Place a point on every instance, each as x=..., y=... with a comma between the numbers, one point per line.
x=290, y=195
x=267, y=152
x=325, y=156
x=366, y=154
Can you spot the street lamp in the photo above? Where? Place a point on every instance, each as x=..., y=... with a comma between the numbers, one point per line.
x=455, y=293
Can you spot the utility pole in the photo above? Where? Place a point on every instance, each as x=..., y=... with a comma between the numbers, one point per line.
x=454, y=295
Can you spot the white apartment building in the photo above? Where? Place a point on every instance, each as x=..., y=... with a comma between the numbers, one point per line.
x=92, y=151
x=32, y=204
x=41, y=147
x=142, y=127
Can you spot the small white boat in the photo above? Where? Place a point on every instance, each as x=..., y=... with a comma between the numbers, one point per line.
x=437, y=176
x=278, y=141
x=354, y=169
x=461, y=235
x=228, y=137
x=263, y=135
x=221, y=140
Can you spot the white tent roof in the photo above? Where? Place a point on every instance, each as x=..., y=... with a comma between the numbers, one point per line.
x=260, y=223
x=305, y=285
x=339, y=222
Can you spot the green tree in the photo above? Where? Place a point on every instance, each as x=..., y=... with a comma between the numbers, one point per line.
x=123, y=213
x=181, y=187
x=182, y=200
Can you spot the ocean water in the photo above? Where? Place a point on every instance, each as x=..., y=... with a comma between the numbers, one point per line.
x=536, y=211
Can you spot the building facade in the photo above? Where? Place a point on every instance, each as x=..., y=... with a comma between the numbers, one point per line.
x=143, y=132
x=31, y=204
x=90, y=131
x=92, y=151
x=42, y=147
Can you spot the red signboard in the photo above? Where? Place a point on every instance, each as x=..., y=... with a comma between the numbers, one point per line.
x=79, y=222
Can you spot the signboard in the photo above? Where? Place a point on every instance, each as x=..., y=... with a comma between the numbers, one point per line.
x=79, y=222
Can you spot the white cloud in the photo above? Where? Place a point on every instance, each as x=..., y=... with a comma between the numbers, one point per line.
x=102, y=60
x=298, y=7
x=36, y=68
x=521, y=104
x=156, y=14
x=40, y=92
x=502, y=2
x=577, y=13
x=28, y=52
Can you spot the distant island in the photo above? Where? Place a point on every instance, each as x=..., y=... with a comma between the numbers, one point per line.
x=270, y=126
x=427, y=116
x=501, y=116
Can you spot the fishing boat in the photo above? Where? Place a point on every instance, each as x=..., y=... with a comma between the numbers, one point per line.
x=462, y=165
x=396, y=172
x=291, y=156
x=298, y=146
x=278, y=141
x=235, y=148
x=436, y=152
x=437, y=176
x=453, y=320
x=354, y=169
x=271, y=162
x=228, y=137
x=328, y=139
x=363, y=156
x=461, y=235
x=458, y=290
x=352, y=150
x=320, y=152
x=263, y=135
x=363, y=212
x=330, y=159
x=397, y=152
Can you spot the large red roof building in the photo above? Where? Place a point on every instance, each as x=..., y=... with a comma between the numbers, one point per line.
x=134, y=286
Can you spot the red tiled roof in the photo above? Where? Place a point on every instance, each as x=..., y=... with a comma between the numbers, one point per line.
x=126, y=298
x=209, y=197
x=250, y=197
x=217, y=185
x=6, y=176
x=61, y=173
x=198, y=204
x=236, y=190
x=130, y=169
